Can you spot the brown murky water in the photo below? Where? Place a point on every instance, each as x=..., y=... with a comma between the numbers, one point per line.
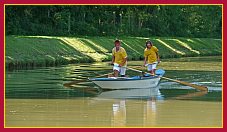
x=37, y=97
x=92, y=112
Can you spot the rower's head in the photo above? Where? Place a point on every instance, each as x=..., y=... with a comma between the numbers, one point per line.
x=149, y=44
x=117, y=43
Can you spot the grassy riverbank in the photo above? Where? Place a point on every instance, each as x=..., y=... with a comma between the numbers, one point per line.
x=29, y=51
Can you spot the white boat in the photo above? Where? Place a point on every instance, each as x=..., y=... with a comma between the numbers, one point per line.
x=129, y=82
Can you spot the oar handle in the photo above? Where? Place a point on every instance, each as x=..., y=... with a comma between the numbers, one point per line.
x=134, y=70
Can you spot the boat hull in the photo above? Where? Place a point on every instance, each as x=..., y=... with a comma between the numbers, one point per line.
x=126, y=84
x=129, y=83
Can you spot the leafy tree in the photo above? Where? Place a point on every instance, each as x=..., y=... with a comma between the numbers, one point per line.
x=106, y=20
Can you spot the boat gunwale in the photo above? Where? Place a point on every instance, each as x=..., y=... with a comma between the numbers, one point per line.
x=124, y=79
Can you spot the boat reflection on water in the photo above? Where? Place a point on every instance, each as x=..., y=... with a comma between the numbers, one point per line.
x=119, y=114
x=131, y=101
x=122, y=108
x=140, y=93
x=125, y=104
x=134, y=107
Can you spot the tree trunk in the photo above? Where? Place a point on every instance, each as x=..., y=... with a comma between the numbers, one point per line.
x=69, y=23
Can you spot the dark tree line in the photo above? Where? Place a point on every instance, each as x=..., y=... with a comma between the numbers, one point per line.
x=105, y=20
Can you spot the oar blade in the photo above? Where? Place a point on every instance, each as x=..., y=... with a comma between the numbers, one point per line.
x=201, y=88
x=69, y=84
x=160, y=72
x=198, y=87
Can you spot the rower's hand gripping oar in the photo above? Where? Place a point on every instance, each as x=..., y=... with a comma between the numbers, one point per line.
x=198, y=87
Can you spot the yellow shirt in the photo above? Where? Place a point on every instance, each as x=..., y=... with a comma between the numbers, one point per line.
x=119, y=55
x=151, y=54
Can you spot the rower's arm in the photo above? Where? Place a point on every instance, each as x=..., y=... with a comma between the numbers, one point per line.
x=145, y=60
x=113, y=59
x=125, y=59
x=158, y=58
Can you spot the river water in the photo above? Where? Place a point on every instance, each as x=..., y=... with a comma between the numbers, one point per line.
x=38, y=97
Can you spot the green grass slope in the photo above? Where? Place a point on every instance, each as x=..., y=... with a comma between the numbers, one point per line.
x=29, y=51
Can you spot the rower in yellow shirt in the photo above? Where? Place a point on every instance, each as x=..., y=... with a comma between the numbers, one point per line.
x=119, y=59
x=151, y=57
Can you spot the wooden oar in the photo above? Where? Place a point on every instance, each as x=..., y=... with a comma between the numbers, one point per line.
x=69, y=84
x=201, y=88
x=135, y=70
x=198, y=87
